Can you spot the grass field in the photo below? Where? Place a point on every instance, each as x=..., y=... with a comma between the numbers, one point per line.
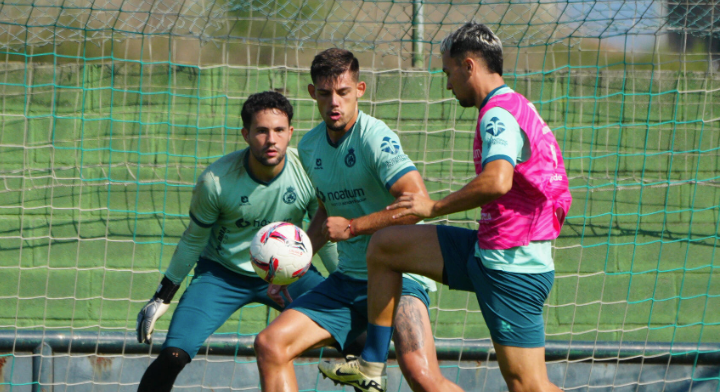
x=97, y=163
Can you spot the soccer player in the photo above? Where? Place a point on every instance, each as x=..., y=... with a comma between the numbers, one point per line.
x=234, y=197
x=522, y=188
x=358, y=168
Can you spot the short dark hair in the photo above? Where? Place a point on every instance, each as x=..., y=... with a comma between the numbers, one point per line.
x=478, y=39
x=334, y=62
x=263, y=101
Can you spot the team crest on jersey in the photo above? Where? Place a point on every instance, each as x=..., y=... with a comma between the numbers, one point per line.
x=389, y=145
x=350, y=158
x=495, y=127
x=290, y=196
x=318, y=163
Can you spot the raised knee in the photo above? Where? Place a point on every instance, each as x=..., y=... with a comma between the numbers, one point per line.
x=380, y=245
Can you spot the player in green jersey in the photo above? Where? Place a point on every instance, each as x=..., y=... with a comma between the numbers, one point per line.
x=358, y=167
x=234, y=197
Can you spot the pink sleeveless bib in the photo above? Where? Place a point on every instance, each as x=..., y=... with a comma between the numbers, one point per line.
x=536, y=206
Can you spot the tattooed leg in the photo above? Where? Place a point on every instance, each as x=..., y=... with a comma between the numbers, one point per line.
x=409, y=332
x=415, y=348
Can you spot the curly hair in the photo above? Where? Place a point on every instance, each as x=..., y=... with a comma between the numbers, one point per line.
x=263, y=101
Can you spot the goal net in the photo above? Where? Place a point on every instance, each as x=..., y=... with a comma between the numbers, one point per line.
x=110, y=109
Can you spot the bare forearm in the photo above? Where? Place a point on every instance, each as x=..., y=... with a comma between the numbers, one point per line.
x=369, y=224
x=315, y=229
x=480, y=191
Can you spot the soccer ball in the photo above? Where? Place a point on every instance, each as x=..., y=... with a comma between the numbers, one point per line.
x=281, y=253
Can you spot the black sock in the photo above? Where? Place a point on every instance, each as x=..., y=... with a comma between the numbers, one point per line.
x=161, y=374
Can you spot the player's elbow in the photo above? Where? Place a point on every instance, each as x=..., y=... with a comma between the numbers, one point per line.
x=502, y=187
x=496, y=178
x=498, y=189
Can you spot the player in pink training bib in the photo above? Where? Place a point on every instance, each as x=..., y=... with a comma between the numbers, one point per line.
x=536, y=205
x=522, y=187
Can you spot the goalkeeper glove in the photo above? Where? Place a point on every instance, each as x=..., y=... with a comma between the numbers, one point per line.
x=154, y=309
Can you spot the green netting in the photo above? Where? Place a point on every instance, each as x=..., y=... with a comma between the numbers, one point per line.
x=110, y=110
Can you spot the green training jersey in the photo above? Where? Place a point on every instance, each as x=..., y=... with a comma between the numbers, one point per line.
x=233, y=204
x=353, y=178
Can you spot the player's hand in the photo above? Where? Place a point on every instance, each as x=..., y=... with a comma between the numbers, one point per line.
x=413, y=204
x=147, y=317
x=154, y=309
x=274, y=291
x=336, y=229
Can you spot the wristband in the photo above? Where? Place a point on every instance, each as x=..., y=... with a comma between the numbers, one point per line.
x=352, y=232
x=166, y=290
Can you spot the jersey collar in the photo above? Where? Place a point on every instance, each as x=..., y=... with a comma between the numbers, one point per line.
x=485, y=101
x=345, y=136
x=246, y=163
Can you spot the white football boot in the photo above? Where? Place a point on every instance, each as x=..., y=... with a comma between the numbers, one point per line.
x=362, y=375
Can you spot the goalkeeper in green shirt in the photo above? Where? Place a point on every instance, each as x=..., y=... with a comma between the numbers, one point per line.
x=234, y=197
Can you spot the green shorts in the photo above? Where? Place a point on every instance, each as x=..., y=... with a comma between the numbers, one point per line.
x=511, y=302
x=339, y=305
x=214, y=294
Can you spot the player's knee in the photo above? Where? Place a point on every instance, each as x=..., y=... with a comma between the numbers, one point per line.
x=420, y=379
x=420, y=376
x=262, y=345
x=518, y=383
x=173, y=359
x=267, y=349
x=373, y=253
x=380, y=246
